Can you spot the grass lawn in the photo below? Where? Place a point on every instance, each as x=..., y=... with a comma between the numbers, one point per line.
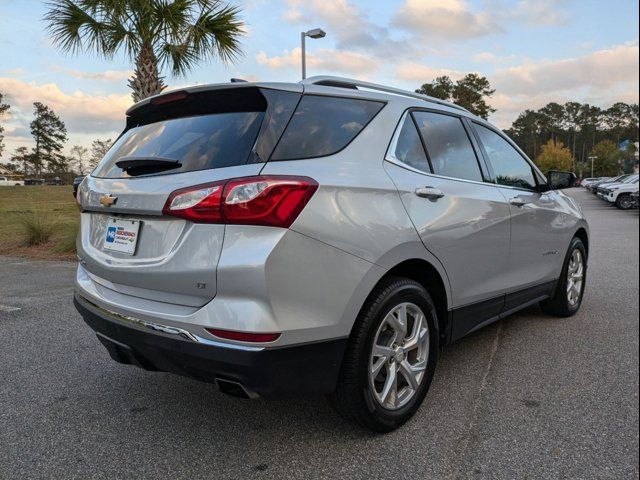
x=44, y=215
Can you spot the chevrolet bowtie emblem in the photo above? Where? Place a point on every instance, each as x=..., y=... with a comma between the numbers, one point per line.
x=108, y=200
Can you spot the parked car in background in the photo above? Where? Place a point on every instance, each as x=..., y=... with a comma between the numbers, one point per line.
x=54, y=181
x=34, y=181
x=9, y=182
x=601, y=186
x=585, y=182
x=620, y=193
x=592, y=187
x=76, y=183
x=328, y=236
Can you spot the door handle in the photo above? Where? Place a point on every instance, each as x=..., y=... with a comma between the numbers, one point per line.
x=517, y=202
x=429, y=192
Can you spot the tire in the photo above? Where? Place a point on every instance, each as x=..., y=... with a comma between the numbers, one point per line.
x=564, y=303
x=359, y=396
x=624, y=201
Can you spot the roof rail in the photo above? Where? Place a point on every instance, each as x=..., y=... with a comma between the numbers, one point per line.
x=331, y=81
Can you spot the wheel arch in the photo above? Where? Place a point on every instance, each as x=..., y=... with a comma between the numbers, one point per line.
x=427, y=275
x=582, y=234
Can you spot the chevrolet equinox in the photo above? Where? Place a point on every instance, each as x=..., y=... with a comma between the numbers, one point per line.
x=324, y=237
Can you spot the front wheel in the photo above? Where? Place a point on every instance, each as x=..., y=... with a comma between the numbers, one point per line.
x=569, y=291
x=624, y=202
x=391, y=357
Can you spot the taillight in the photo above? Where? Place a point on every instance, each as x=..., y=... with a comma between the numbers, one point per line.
x=263, y=200
x=79, y=195
x=244, y=336
x=200, y=203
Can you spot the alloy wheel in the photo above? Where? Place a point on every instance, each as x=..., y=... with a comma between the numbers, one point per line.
x=575, y=277
x=399, y=356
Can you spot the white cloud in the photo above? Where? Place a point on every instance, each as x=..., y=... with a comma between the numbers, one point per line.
x=79, y=110
x=492, y=58
x=537, y=12
x=444, y=19
x=348, y=25
x=416, y=72
x=601, y=69
x=321, y=61
x=85, y=115
x=601, y=78
x=106, y=76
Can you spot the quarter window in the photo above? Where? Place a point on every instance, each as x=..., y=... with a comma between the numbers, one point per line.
x=510, y=168
x=409, y=148
x=448, y=146
x=323, y=126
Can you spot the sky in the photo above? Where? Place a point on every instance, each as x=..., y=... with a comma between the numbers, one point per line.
x=532, y=52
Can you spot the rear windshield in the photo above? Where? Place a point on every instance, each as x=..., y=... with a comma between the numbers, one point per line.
x=198, y=143
x=323, y=126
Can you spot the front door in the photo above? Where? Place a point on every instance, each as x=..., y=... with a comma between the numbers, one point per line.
x=538, y=229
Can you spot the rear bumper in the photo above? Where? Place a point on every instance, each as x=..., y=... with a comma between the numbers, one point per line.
x=266, y=372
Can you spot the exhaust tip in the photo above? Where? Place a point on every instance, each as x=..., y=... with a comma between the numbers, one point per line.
x=235, y=389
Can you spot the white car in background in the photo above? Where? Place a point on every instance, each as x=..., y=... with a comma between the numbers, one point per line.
x=620, y=193
x=7, y=182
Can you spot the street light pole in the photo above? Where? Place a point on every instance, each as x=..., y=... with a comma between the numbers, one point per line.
x=303, y=35
x=592, y=158
x=315, y=33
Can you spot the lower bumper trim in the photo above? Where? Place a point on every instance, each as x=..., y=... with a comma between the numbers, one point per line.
x=266, y=372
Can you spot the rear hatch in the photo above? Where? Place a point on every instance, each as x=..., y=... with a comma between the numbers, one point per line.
x=174, y=141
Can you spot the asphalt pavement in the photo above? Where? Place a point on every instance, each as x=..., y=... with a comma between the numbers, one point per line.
x=528, y=397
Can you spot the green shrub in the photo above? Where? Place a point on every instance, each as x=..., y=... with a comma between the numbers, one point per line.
x=37, y=228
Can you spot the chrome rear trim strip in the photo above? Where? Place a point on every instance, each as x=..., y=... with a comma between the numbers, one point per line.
x=158, y=327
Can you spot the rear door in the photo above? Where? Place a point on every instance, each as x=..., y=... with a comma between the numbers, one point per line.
x=461, y=219
x=538, y=222
x=209, y=135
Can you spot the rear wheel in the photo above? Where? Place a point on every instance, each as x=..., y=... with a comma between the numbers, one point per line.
x=568, y=294
x=391, y=357
x=624, y=201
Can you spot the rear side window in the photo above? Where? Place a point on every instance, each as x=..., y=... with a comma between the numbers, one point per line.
x=510, y=168
x=198, y=143
x=448, y=146
x=323, y=126
x=409, y=149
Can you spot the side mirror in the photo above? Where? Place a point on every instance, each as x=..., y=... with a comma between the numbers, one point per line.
x=558, y=180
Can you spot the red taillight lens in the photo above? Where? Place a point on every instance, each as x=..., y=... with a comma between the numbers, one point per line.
x=244, y=336
x=263, y=200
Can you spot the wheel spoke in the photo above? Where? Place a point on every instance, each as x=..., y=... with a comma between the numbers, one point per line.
x=377, y=366
x=381, y=351
x=397, y=319
x=411, y=373
x=390, y=388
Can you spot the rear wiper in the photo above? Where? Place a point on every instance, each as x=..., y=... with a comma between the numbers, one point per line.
x=143, y=165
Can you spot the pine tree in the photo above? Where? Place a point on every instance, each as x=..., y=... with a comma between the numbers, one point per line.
x=50, y=135
x=4, y=108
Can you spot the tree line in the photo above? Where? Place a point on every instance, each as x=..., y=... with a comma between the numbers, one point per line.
x=557, y=136
x=49, y=137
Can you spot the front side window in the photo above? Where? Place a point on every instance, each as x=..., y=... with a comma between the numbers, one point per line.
x=409, y=148
x=510, y=168
x=323, y=126
x=448, y=146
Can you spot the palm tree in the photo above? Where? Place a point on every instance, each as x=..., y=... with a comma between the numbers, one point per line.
x=153, y=33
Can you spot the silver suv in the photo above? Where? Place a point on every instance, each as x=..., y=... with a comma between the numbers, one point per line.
x=322, y=237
